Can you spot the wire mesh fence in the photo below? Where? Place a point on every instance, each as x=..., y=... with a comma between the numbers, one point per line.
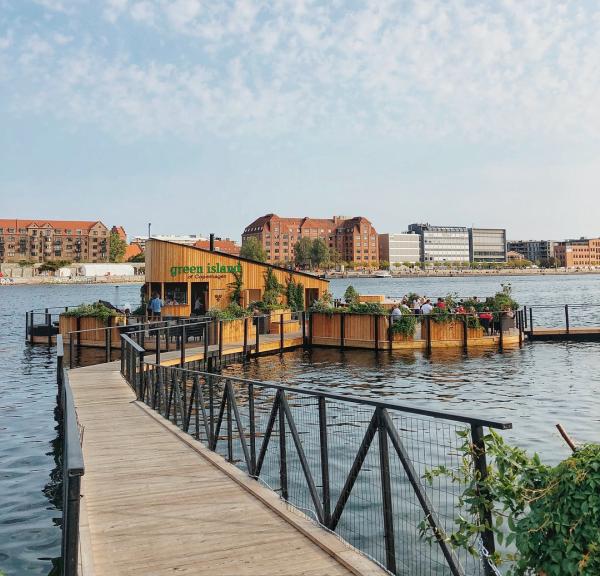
x=355, y=466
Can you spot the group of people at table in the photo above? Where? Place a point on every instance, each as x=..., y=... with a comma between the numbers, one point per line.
x=423, y=306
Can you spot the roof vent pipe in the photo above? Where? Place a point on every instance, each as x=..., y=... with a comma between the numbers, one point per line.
x=212, y=243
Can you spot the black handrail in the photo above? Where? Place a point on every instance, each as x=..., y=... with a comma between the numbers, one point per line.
x=357, y=400
x=223, y=411
x=72, y=470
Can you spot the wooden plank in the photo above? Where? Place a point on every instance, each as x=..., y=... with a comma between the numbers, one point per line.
x=155, y=505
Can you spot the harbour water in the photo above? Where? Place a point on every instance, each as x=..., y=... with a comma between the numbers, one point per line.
x=533, y=387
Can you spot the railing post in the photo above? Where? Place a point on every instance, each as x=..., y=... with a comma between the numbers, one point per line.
x=386, y=495
x=183, y=345
x=220, y=325
x=107, y=344
x=257, y=335
x=428, y=329
x=157, y=344
x=26, y=326
x=465, y=333
x=252, y=428
x=282, y=451
x=78, y=333
x=342, y=330
x=141, y=376
x=324, y=460
x=123, y=356
x=303, y=317
x=525, y=316
x=71, y=348
x=390, y=331
x=310, y=330
x=281, y=339
x=72, y=495
x=376, y=327
x=227, y=395
x=211, y=406
x=167, y=336
x=501, y=327
x=245, y=337
x=207, y=325
x=31, y=321
x=530, y=321
x=567, y=317
x=480, y=464
x=49, y=326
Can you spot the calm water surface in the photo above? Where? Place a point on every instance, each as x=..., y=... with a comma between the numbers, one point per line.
x=533, y=387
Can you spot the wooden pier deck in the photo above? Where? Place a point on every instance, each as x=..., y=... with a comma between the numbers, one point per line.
x=155, y=501
x=590, y=333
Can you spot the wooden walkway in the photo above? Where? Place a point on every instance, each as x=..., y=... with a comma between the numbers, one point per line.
x=155, y=501
x=576, y=333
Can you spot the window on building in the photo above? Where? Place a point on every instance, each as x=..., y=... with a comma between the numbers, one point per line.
x=175, y=293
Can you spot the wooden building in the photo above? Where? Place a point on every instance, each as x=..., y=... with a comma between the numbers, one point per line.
x=183, y=275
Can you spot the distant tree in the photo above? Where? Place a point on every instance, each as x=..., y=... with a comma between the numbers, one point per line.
x=303, y=252
x=252, y=249
x=117, y=248
x=351, y=296
x=319, y=252
x=384, y=265
x=141, y=257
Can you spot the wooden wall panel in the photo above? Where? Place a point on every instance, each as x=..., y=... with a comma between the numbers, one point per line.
x=170, y=262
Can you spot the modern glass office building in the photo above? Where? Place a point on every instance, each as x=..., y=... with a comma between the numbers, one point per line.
x=487, y=245
x=442, y=243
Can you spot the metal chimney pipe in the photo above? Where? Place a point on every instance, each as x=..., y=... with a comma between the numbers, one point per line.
x=212, y=243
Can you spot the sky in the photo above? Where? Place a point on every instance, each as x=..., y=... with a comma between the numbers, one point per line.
x=201, y=115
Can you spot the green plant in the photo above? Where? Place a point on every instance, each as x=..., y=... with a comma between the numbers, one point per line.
x=272, y=293
x=473, y=321
x=303, y=252
x=236, y=287
x=54, y=265
x=406, y=324
x=351, y=296
x=441, y=315
x=252, y=249
x=549, y=515
x=95, y=310
x=25, y=263
x=367, y=308
x=323, y=304
x=117, y=247
x=294, y=294
x=232, y=312
x=319, y=252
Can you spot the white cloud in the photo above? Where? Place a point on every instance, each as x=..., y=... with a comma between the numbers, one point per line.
x=406, y=68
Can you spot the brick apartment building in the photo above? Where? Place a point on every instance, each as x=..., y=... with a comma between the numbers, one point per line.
x=226, y=245
x=355, y=239
x=574, y=253
x=47, y=240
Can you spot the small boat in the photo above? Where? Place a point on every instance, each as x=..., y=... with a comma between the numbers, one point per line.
x=382, y=274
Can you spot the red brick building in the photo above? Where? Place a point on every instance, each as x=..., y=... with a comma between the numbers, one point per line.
x=226, y=246
x=575, y=253
x=46, y=240
x=355, y=239
x=120, y=232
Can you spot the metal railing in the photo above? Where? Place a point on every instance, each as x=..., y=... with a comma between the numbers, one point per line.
x=354, y=464
x=561, y=317
x=72, y=468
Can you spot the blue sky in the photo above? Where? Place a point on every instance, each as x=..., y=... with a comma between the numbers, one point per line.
x=201, y=115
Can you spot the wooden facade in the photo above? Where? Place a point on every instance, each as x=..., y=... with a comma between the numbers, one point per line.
x=183, y=275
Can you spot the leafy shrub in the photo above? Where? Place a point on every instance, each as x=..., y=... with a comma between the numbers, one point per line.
x=233, y=312
x=405, y=324
x=367, y=308
x=95, y=310
x=351, y=296
x=549, y=514
x=323, y=304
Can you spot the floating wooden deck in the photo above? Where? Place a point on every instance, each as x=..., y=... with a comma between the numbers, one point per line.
x=591, y=333
x=155, y=501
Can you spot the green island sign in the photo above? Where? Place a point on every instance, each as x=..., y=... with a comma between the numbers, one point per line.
x=208, y=269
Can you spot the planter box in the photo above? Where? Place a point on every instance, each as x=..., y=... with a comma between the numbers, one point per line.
x=95, y=334
x=233, y=331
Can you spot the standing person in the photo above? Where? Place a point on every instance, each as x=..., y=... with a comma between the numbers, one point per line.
x=156, y=305
x=427, y=307
x=198, y=306
x=441, y=303
x=416, y=305
x=396, y=312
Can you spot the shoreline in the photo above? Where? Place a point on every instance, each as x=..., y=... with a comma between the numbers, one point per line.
x=40, y=280
x=466, y=273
